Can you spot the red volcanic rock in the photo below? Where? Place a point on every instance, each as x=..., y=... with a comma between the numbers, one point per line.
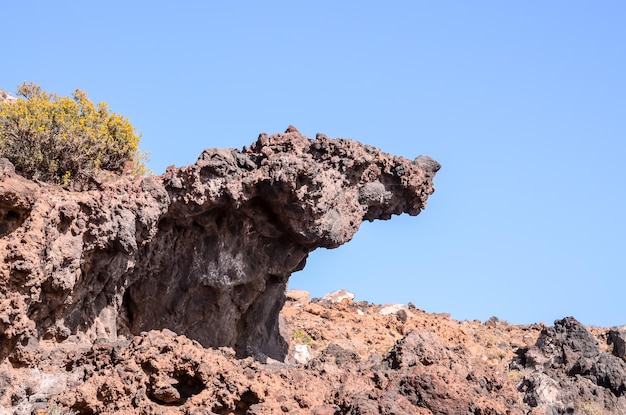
x=204, y=250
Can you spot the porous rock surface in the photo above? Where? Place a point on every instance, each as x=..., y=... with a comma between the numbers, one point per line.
x=204, y=250
x=359, y=362
x=164, y=295
x=567, y=372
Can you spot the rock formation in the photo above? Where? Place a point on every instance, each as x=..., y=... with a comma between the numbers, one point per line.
x=204, y=250
x=567, y=372
x=164, y=295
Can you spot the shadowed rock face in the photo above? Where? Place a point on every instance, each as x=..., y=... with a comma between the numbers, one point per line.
x=204, y=250
x=566, y=372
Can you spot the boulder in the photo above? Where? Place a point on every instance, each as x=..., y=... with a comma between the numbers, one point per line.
x=617, y=337
x=567, y=370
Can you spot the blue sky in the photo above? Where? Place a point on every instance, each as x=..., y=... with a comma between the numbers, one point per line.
x=523, y=104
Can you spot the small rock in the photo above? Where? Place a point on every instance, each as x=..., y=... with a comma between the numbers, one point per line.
x=298, y=298
x=393, y=309
x=314, y=309
x=301, y=354
x=167, y=394
x=402, y=316
x=337, y=297
x=324, y=410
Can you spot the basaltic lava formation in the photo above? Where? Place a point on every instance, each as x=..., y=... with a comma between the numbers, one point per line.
x=204, y=251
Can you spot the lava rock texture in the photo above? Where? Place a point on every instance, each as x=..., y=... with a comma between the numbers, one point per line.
x=567, y=373
x=204, y=250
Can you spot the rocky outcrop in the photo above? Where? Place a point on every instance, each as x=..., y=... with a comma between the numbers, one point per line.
x=567, y=373
x=204, y=250
x=617, y=338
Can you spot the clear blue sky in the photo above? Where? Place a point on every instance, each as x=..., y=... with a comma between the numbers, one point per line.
x=523, y=104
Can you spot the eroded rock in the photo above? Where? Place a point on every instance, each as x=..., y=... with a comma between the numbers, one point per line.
x=567, y=370
x=204, y=250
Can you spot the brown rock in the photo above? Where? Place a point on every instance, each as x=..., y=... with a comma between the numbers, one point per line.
x=441, y=366
x=204, y=250
x=298, y=298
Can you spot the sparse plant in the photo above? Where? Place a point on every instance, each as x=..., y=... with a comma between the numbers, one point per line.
x=497, y=355
x=65, y=139
x=515, y=375
x=302, y=337
x=588, y=408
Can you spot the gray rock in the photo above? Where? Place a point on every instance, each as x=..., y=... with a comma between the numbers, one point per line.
x=617, y=337
x=567, y=371
x=6, y=167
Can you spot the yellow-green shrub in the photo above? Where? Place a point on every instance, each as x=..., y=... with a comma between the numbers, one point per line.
x=66, y=139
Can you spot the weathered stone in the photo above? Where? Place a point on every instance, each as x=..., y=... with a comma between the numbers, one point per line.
x=301, y=354
x=204, y=250
x=337, y=297
x=394, y=309
x=568, y=370
x=617, y=337
x=298, y=298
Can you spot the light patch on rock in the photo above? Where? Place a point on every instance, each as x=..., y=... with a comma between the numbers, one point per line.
x=301, y=354
x=337, y=297
x=393, y=309
x=546, y=390
x=6, y=97
x=298, y=298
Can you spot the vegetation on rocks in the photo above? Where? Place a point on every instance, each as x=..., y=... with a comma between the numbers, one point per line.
x=66, y=139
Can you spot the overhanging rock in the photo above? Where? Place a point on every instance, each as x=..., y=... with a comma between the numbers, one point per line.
x=204, y=250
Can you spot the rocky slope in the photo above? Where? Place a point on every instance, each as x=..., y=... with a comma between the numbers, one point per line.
x=344, y=358
x=166, y=295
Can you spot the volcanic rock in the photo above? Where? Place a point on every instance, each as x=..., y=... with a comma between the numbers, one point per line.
x=204, y=250
x=617, y=337
x=567, y=371
x=359, y=363
x=164, y=295
x=298, y=298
